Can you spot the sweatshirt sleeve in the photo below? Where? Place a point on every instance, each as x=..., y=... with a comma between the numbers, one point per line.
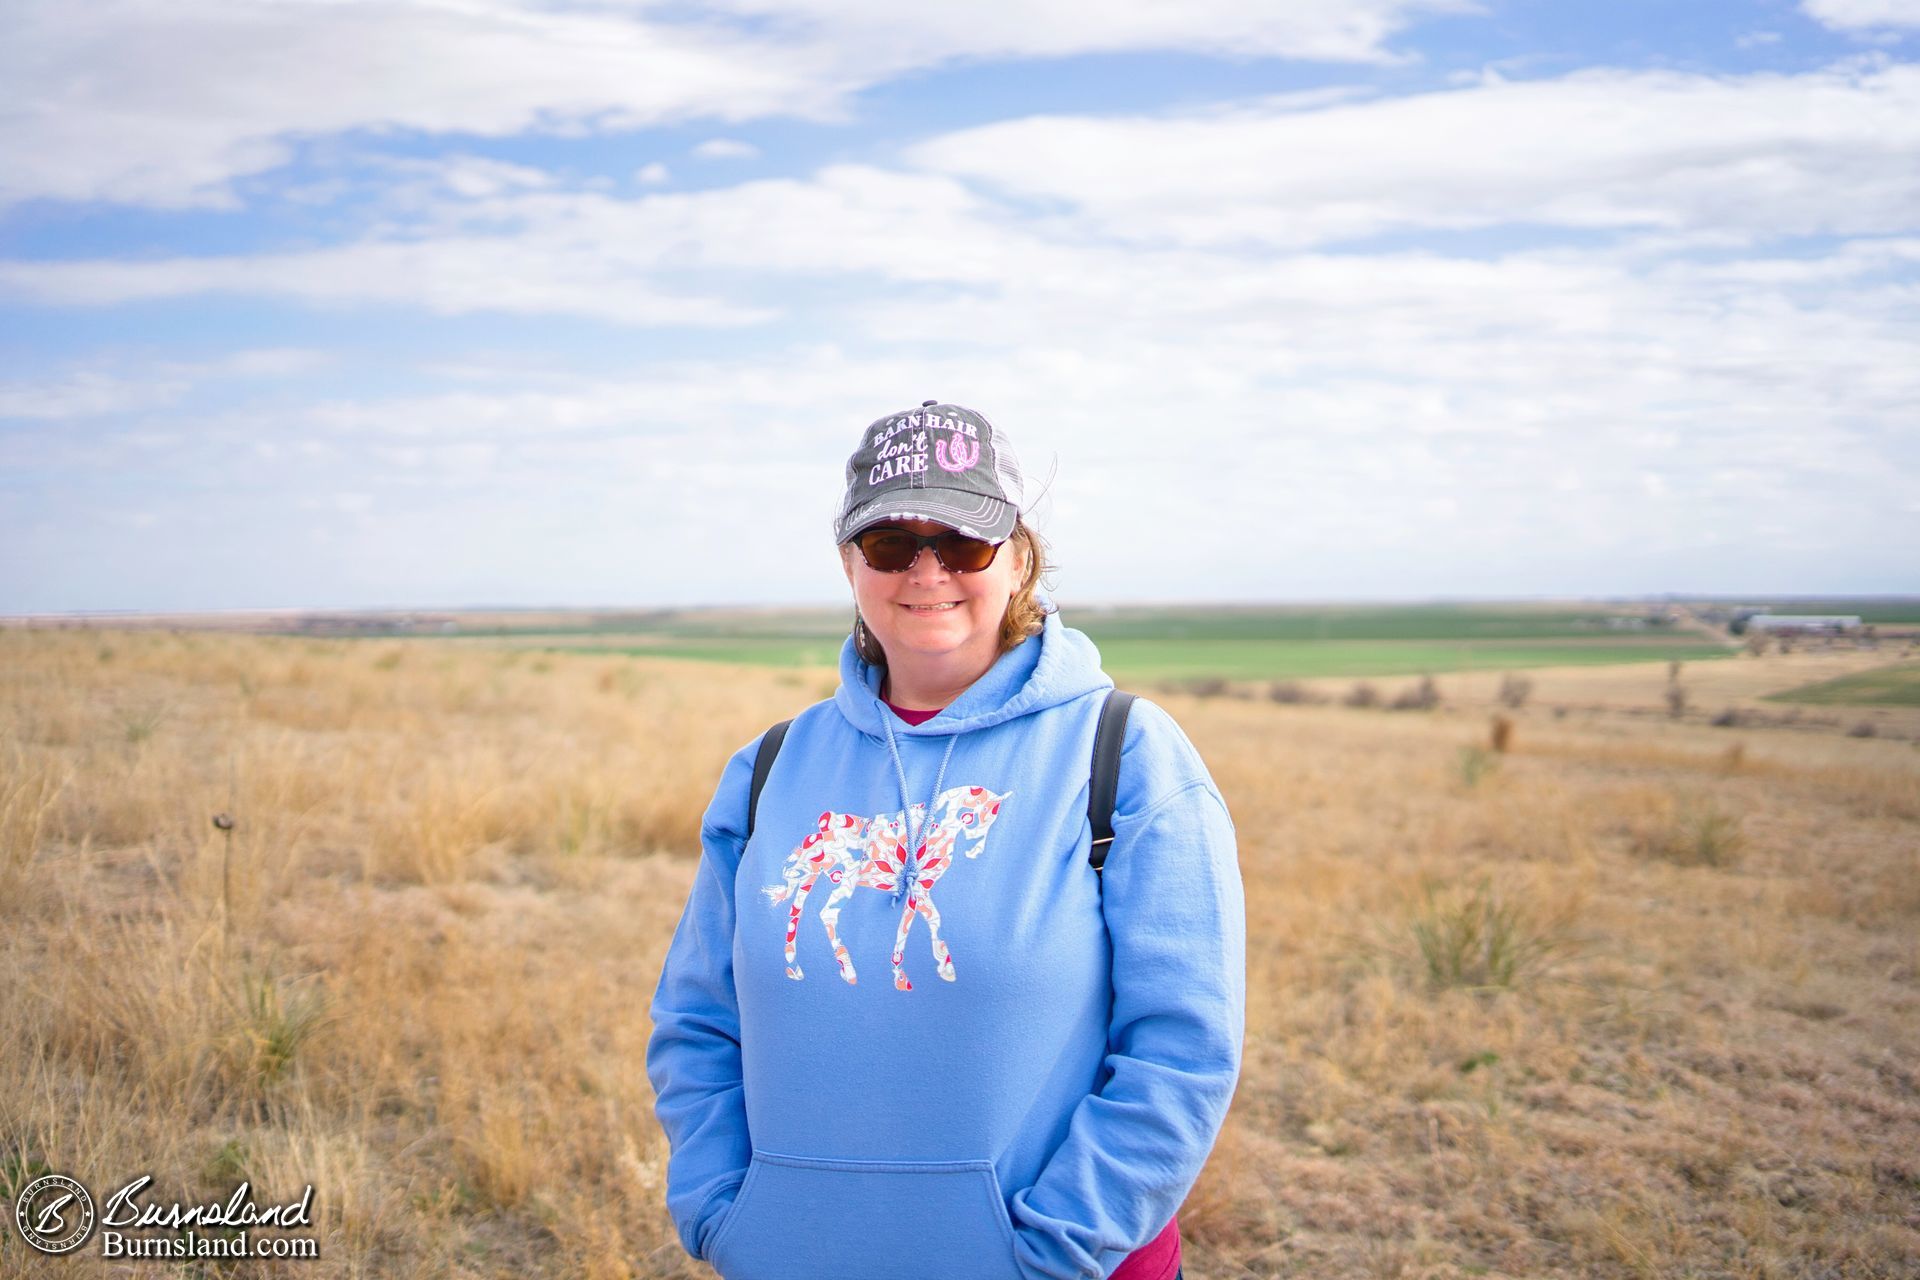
x=693, y=1051
x=1176, y=914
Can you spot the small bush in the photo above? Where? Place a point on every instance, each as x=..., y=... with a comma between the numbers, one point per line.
x=1864, y=729
x=272, y=1022
x=1514, y=691
x=1501, y=735
x=1728, y=719
x=1676, y=701
x=1700, y=834
x=1290, y=691
x=1476, y=763
x=139, y=725
x=1362, y=695
x=1479, y=941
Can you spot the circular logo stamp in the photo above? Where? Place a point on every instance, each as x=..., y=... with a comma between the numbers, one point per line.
x=54, y=1214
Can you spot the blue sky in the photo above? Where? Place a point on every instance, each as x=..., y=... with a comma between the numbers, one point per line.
x=311, y=303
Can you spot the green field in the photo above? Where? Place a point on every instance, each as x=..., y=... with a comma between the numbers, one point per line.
x=1297, y=659
x=1897, y=686
x=1363, y=622
x=1142, y=644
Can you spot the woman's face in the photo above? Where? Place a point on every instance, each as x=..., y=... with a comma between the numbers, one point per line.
x=971, y=626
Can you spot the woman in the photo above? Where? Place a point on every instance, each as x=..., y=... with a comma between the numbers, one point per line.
x=1031, y=1090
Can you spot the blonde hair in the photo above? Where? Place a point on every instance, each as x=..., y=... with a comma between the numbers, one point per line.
x=1025, y=616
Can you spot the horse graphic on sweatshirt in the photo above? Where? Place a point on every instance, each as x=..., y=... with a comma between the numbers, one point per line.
x=855, y=852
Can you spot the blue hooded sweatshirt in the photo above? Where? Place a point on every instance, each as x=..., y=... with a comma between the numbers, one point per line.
x=1022, y=1086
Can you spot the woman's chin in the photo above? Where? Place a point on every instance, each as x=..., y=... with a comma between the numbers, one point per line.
x=929, y=639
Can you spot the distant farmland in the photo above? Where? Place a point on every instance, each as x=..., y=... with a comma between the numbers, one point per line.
x=1897, y=685
x=1140, y=644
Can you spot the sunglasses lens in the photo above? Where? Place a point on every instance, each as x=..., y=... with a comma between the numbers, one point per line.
x=894, y=550
x=888, y=550
x=963, y=554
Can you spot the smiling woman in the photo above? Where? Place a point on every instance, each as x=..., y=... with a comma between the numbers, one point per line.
x=1041, y=1110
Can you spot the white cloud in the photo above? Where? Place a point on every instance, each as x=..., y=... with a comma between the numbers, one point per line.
x=477, y=177
x=449, y=275
x=1352, y=31
x=726, y=149
x=1446, y=428
x=98, y=388
x=84, y=394
x=654, y=174
x=1686, y=163
x=1859, y=15
x=1826, y=152
x=166, y=102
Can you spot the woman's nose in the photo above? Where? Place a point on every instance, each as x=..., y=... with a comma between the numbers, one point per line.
x=926, y=565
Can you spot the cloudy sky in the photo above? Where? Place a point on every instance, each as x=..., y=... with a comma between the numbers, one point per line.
x=340, y=303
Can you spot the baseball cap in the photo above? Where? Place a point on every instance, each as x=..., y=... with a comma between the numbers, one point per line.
x=938, y=462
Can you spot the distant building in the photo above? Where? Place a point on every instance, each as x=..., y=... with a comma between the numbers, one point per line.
x=1803, y=623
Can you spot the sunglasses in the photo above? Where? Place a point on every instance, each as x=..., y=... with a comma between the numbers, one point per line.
x=891, y=550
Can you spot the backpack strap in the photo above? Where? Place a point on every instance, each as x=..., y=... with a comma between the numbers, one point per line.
x=762, y=766
x=1107, y=740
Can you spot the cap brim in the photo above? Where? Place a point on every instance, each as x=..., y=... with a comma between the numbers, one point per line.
x=973, y=514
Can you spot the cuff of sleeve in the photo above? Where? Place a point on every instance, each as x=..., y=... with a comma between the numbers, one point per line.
x=698, y=1229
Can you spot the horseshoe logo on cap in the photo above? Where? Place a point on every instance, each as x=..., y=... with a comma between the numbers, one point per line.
x=956, y=453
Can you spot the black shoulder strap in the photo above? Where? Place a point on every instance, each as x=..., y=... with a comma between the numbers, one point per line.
x=762, y=766
x=1107, y=740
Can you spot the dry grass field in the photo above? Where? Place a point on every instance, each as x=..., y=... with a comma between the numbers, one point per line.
x=1637, y=997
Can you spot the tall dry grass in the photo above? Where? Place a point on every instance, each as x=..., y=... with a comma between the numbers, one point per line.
x=1613, y=1002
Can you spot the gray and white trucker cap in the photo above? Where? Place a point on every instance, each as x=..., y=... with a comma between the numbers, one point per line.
x=938, y=462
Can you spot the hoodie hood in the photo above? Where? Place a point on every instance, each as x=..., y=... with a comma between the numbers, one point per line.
x=1042, y=671
x=1056, y=666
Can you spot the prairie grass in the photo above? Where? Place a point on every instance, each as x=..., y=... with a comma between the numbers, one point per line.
x=1628, y=1004
x=1475, y=763
x=1691, y=832
x=272, y=1021
x=1479, y=939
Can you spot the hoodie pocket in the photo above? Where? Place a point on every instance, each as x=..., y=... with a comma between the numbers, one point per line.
x=804, y=1219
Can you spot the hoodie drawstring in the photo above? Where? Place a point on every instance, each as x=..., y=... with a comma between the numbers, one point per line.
x=912, y=868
